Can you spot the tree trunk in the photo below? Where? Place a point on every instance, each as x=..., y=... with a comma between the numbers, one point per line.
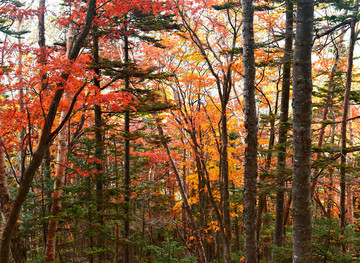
x=46, y=177
x=99, y=152
x=192, y=223
x=302, y=89
x=344, y=124
x=225, y=196
x=18, y=249
x=263, y=249
x=59, y=175
x=59, y=183
x=329, y=103
x=279, y=239
x=127, y=179
x=251, y=127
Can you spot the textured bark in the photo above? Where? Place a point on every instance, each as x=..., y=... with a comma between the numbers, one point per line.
x=283, y=129
x=302, y=89
x=45, y=138
x=41, y=25
x=251, y=128
x=349, y=187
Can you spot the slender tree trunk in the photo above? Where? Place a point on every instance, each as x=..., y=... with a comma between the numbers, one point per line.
x=46, y=173
x=59, y=183
x=46, y=177
x=99, y=151
x=302, y=89
x=344, y=124
x=349, y=187
x=251, y=127
x=263, y=250
x=206, y=179
x=59, y=175
x=328, y=103
x=283, y=130
x=127, y=185
x=127, y=179
x=18, y=249
x=224, y=167
x=192, y=223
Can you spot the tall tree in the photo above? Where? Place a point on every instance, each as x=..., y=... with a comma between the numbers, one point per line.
x=59, y=183
x=283, y=127
x=220, y=65
x=99, y=147
x=344, y=120
x=302, y=106
x=251, y=127
x=127, y=178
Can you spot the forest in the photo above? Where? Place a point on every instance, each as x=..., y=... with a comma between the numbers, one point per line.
x=179, y=131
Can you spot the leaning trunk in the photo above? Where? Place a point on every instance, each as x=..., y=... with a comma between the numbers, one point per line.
x=186, y=205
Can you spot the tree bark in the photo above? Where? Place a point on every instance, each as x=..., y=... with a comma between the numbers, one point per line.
x=283, y=129
x=99, y=151
x=302, y=89
x=251, y=128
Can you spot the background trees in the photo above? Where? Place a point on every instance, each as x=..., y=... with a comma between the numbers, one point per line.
x=146, y=113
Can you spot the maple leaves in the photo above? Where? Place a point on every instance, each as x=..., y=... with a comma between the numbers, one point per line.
x=195, y=73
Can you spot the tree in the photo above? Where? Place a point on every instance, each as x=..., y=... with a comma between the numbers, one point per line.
x=251, y=124
x=344, y=120
x=46, y=136
x=302, y=92
x=283, y=128
x=220, y=65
